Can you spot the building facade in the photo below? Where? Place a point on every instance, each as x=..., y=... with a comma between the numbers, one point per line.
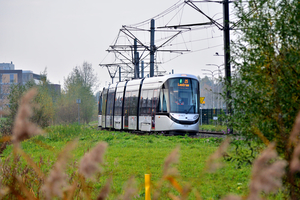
x=9, y=76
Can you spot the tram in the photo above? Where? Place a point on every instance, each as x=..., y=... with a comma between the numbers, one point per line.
x=166, y=104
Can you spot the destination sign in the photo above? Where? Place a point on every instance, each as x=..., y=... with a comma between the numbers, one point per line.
x=183, y=83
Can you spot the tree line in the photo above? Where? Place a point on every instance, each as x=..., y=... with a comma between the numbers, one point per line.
x=57, y=107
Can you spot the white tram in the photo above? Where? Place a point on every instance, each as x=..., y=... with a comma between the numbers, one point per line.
x=168, y=104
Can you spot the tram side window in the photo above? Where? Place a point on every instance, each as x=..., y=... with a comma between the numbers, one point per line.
x=149, y=102
x=118, y=104
x=104, y=103
x=133, y=106
x=100, y=105
x=127, y=103
x=110, y=103
x=155, y=100
x=143, y=103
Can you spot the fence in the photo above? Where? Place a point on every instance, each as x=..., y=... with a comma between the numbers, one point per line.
x=210, y=115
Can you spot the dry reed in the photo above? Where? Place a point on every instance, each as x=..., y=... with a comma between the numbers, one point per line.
x=89, y=164
x=213, y=163
x=130, y=190
x=295, y=162
x=266, y=175
x=23, y=128
x=232, y=197
x=105, y=190
x=294, y=138
x=173, y=158
x=294, y=135
x=57, y=179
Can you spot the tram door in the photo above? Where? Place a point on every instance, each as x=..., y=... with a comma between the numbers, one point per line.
x=126, y=109
x=148, y=106
x=109, y=109
x=130, y=110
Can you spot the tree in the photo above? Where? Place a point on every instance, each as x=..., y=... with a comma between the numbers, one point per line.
x=43, y=111
x=266, y=88
x=79, y=84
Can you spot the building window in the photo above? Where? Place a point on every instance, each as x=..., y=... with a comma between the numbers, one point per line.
x=11, y=78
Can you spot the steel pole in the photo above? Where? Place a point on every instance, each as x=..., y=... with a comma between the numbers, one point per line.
x=227, y=59
x=152, y=47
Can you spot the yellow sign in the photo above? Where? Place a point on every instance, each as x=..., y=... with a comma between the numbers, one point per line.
x=202, y=100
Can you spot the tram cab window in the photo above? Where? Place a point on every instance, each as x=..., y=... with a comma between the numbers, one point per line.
x=184, y=95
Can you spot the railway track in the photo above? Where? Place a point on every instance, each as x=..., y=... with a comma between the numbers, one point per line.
x=207, y=134
x=200, y=134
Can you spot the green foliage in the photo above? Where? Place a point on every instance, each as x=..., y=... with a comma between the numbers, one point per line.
x=243, y=152
x=266, y=86
x=43, y=111
x=79, y=84
x=218, y=128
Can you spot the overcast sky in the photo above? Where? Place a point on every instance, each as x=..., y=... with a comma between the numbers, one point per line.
x=61, y=34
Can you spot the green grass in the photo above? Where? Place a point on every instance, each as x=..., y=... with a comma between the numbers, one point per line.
x=135, y=155
x=219, y=128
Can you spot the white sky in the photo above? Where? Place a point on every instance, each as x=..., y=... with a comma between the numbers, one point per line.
x=62, y=34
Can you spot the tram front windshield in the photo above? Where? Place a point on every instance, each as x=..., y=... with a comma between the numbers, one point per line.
x=184, y=95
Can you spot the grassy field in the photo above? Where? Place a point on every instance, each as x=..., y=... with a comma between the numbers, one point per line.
x=130, y=155
x=218, y=128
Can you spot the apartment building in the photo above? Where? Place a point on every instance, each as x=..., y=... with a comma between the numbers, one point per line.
x=9, y=75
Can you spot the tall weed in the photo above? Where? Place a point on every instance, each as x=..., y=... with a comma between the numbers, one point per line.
x=24, y=178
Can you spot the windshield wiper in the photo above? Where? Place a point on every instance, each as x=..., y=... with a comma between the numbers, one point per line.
x=190, y=108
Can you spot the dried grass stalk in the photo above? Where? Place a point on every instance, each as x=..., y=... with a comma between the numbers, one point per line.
x=130, y=190
x=186, y=191
x=232, y=197
x=28, y=193
x=295, y=131
x=31, y=163
x=173, y=158
x=266, y=176
x=261, y=136
x=105, y=190
x=197, y=195
x=89, y=164
x=173, y=197
x=3, y=191
x=23, y=128
x=57, y=179
x=213, y=163
x=295, y=162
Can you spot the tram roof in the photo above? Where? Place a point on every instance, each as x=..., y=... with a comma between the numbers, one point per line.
x=155, y=80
